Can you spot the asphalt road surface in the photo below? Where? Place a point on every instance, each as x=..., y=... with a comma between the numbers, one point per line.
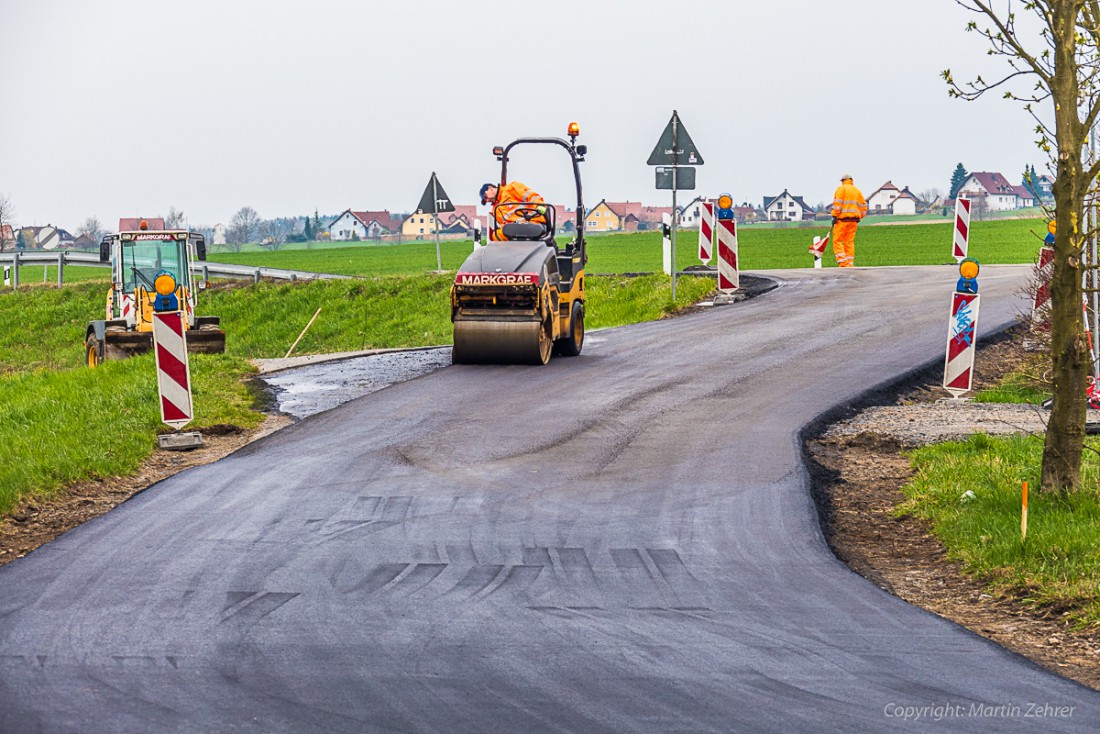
x=624, y=541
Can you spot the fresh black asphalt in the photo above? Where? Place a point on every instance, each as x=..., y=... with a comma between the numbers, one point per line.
x=620, y=542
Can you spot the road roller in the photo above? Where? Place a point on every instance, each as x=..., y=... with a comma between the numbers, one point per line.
x=519, y=298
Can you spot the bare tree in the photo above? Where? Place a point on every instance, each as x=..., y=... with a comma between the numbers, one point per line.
x=175, y=219
x=927, y=196
x=7, y=212
x=1055, y=74
x=277, y=231
x=93, y=229
x=243, y=228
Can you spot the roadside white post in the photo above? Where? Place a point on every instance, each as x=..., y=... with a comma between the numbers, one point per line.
x=961, y=241
x=817, y=249
x=962, y=331
x=666, y=243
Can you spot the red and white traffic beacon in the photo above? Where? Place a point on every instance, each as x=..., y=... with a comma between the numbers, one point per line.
x=962, y=331
x=729, y=278
x=173, y=370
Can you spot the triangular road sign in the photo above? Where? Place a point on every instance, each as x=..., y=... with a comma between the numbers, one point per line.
x=435, y=199
x=682, y=153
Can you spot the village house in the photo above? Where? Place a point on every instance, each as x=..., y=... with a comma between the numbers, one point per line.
x=353, y=225
x=993, y=192
x=7, y=237
x=786, y=208
x=692, y=212
x=618, y=216
x=1044, y=187
x=889, y=199
x=420, y=225
x=133, y=224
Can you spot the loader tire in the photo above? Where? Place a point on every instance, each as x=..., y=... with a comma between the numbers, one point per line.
x=93, y=351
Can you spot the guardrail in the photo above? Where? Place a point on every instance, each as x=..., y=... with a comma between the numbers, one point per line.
x=13, y=262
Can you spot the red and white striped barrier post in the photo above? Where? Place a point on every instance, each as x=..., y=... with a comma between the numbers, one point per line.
x=1042, y=291
x=173, y=370
x=729, y=278
x=962, y=332
x=1042, y=275
x=706, y=231
x=961, y=243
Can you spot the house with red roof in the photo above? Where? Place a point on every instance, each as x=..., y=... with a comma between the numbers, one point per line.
x=613, y=216
x=369, y=225
x=994, y=192
x=133, y=224
x=889, y=199
x=7, y=237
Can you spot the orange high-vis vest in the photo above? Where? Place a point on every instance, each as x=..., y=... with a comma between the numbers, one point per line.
x=848, y=203
x=513, y=193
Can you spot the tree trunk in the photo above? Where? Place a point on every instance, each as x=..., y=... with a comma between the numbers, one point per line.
x=1065, y=434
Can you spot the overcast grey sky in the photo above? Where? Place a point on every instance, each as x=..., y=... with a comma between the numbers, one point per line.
x=125, y=107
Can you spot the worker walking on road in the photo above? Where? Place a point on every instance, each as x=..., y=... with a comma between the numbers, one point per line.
x=849, y=207
x=512, y=196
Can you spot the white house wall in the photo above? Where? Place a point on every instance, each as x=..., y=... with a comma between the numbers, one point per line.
x=904, y=206
x=882, y=200
x=343, y=228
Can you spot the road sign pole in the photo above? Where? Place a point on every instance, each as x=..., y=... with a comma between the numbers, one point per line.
x=435, y=217
x=675, y=214
x=668, y=152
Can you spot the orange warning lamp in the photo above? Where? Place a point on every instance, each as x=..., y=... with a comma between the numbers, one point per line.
x=725, y=201
x=968, y=268
x=574, y=129
x=968, y=276
x=164, y=283
x=1052, y=226
x=144, y=225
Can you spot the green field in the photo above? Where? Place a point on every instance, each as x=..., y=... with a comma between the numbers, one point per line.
x=1001, y=241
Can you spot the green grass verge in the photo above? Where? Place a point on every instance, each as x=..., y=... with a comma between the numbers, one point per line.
x=1057, y=569
x=63, y=426
x=63, y=423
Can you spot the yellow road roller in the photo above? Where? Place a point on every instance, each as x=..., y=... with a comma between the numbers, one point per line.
x=520, y=297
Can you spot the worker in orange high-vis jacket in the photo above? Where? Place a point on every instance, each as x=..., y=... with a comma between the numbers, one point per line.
x=514, y=193
x=849, y=207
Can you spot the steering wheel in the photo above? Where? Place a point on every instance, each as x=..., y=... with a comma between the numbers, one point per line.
x=528, y=212
x=138, y=272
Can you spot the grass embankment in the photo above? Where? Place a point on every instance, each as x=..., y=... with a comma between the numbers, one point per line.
x=1057, y=569
x=64, y=423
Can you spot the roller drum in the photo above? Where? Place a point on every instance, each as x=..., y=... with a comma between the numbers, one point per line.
x=500, y=342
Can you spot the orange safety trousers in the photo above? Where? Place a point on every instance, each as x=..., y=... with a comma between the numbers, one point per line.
x=844, y=243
